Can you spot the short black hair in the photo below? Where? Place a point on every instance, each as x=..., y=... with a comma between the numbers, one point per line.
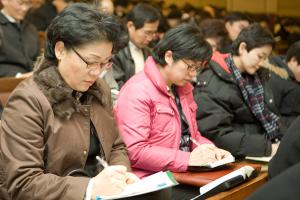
x=186, y=42
x=143, y=13
x=236, y=16
x=254, y=36
x=293, y=51
x=80, y=24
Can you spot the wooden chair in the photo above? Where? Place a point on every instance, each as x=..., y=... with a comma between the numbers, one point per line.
x=42, y=39
x=7, y=85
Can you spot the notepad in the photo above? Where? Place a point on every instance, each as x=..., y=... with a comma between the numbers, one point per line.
x=228, y=181
x=155, y=182
x=260, y=159
x=212, y=165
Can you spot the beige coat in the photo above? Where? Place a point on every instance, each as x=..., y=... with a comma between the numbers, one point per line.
x=45, y=133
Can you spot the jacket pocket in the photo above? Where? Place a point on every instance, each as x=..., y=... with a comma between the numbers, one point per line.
x=164, y=119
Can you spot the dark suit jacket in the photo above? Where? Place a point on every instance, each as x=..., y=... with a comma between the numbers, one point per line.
x=19, y=47
x=123, y=65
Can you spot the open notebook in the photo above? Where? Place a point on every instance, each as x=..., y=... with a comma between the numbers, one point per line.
x=260, y=159
x=212, y=165
x=155, y=182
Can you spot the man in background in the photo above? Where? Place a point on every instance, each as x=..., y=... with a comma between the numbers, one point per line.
x=142, y=24
x=19, y=42
x=287, y=90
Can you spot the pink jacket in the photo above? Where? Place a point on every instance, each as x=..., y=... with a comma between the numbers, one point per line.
x=150, y=124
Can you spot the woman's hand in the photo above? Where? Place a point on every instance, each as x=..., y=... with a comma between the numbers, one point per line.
x=131, y=178
x=206, y=153
x=110, y=181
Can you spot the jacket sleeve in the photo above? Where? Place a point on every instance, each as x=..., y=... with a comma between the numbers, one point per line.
x=134, y=120
x=118, y=70
x=22, y=153
x=215, y=121
x=287, y=181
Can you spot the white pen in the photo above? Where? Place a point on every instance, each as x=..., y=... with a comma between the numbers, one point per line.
x=195, y=141
x=102, y=161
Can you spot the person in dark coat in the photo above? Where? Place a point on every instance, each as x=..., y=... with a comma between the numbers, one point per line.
x=287, y=91
x=284, y=168
x=235, y=107
x=19, y=41
x=142, y=24
x=283, y=186
x=42, y=16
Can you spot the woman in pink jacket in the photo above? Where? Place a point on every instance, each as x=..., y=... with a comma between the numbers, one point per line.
x=156, y=112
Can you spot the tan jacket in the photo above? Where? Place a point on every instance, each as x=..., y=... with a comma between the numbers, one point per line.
x=45, y=134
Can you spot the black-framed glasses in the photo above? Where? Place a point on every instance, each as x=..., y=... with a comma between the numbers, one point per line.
x=198, y=69
x=95, y=65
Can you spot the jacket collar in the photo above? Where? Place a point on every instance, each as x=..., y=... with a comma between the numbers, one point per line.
x=152, y=72
x=63, y=99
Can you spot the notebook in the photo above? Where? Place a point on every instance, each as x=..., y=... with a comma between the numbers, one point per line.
x=155, y=182
x=213, y=165
x=227, y=181
x=204, y=177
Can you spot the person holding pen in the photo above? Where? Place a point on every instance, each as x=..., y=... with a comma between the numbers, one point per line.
x=59, y=120
x=156, y=112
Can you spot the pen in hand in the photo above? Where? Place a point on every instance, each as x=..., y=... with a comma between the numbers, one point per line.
x=195, y=141
x=102, y=161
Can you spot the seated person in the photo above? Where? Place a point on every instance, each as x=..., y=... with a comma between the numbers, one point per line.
x=142, y=24
x=234, y=23
x=215, y=33
x=287, y=91
x=284, y=168
x=42, y=16
x=19, y=41
x=235, y=110
x=283, y=186
x=57, y=121
x=156, y=112
x=288, y=153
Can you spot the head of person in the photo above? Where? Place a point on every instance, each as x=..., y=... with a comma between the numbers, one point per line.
x=106, y=6
x=252, y=47
x=235, y=22
x=80, y=42
x=142, y=24
x=61, y=4
x=214, y=32
x=181, y=54
x=16, y=9
x=293, y=59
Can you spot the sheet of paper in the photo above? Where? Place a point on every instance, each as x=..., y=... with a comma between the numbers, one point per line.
x=261, y=159
x=155, y=182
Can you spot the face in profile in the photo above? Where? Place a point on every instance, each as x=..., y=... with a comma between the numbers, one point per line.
x=17, y=9
x=181, y=71
x=143, y=36
x=234, y=28
x=81, y=66
x=251, y=61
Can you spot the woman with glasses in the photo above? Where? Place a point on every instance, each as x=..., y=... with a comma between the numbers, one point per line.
x=235, y=106
x=156, y=112
x=59, y=123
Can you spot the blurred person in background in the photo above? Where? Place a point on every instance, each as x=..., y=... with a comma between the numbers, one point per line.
x=19, y=41
x=142, y=24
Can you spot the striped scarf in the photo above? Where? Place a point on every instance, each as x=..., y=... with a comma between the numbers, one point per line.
x=253, y=94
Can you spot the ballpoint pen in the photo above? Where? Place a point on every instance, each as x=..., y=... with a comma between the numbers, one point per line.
x=102, y=161
x=195, y=141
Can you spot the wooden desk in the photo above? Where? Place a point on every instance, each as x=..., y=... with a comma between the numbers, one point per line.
x=242, y=191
